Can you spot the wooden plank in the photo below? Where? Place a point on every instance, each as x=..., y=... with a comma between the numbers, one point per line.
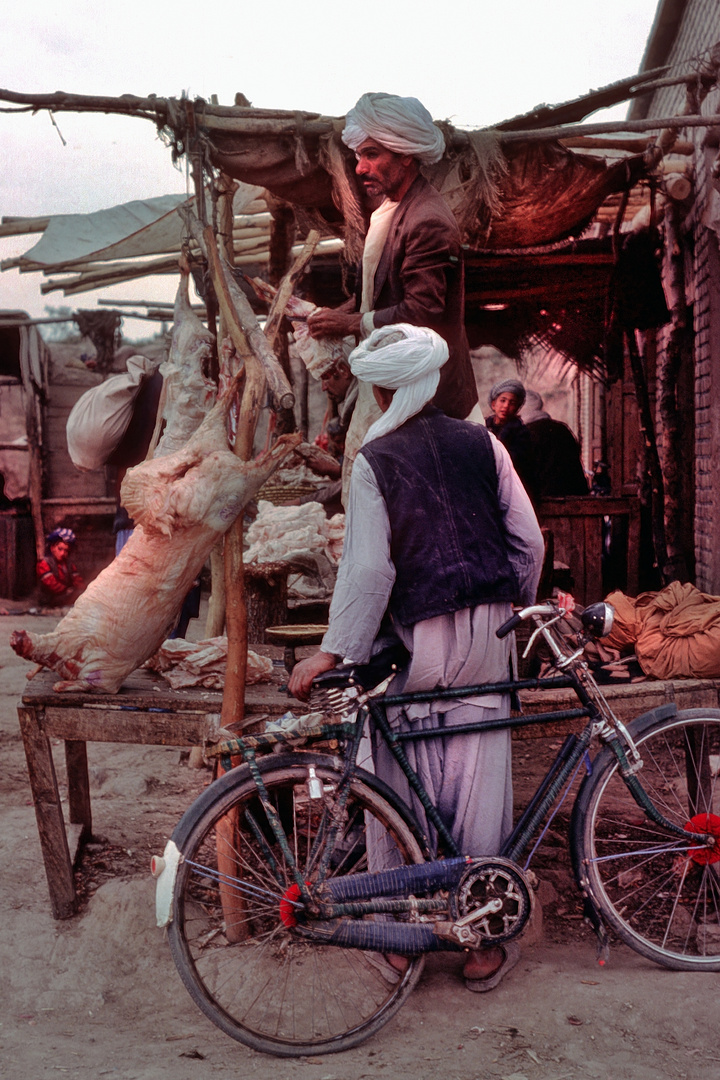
x=48, y=812
x=144, y=690
x=137, y=726
x=79, y=807
x=694, y=697
x=587, y=506
x=633, y=553
x=628, y=700
x=576, y=524
x=592, y=576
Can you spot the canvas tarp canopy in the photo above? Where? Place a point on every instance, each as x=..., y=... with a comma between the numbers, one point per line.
x=135, y=240
x=131, y=230
x=127, y=231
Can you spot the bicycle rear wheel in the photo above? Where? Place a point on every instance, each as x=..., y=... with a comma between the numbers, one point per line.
x=658, y=892
x=232, y=936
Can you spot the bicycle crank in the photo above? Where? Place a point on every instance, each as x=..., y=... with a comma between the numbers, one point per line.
x=491, y=903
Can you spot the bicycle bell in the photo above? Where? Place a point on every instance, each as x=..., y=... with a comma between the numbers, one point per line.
x=597, y=619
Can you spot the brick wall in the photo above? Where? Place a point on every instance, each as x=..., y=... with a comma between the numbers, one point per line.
x=698, y=31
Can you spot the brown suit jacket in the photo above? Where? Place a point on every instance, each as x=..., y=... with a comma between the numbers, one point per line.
x=420, y=280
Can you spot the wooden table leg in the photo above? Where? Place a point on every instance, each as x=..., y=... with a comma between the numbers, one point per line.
x=48, y=811
x=79, y=807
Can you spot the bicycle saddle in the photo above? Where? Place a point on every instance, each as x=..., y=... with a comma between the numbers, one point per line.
x=366, y=676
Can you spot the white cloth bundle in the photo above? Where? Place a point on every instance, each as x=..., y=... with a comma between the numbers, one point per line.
x=99, y=419
x=403, y=358
x=400, y=124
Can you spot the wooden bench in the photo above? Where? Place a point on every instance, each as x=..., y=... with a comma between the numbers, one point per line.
x=144, y=711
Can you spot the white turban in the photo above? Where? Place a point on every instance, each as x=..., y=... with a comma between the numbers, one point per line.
x=400, y=124
x=403, y=358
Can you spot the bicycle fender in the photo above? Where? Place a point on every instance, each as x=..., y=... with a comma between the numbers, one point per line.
x=165, y=870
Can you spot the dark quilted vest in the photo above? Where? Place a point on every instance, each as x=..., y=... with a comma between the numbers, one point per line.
x=439, y=482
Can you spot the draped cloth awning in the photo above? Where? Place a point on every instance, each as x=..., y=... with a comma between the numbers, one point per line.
x=545, y=192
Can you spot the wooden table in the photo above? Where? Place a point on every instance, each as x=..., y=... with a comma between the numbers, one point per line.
x=144, y=711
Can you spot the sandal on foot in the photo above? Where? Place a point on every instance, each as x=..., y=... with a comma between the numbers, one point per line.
x=512, y=955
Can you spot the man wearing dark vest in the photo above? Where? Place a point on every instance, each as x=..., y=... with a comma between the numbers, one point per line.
x=440, y=539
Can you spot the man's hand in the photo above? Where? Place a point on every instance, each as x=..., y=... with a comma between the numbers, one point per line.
x=333, y=322
x=305, y=671
x=319, y=460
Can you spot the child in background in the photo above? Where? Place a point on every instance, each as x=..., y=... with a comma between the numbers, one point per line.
x=60, y=583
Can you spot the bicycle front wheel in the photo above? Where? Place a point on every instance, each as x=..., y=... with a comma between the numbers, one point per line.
x=658, y=892
x=232, y=936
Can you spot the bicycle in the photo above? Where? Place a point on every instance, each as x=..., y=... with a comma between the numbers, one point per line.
x=280, y=930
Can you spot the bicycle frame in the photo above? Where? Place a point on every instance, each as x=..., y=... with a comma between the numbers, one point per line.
x=335, y=903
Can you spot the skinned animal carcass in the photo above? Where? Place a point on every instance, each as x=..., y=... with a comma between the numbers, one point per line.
x=182, y=504
x=189, y=392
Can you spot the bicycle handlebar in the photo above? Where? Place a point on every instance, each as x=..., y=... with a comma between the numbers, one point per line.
x=524, y=613
x=512, y=622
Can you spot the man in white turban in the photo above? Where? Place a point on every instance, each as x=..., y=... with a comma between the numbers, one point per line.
x=440, y=539
x=412, y=268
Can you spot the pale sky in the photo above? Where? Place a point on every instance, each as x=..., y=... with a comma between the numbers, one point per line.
x=474, y=62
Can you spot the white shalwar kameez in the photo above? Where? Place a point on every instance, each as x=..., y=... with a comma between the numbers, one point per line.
x=468, y=777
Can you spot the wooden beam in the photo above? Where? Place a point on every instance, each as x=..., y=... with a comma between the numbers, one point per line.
x=23, y=226
x=287, y=286
x=257, y=122
x=658, y=124
x=241, y=321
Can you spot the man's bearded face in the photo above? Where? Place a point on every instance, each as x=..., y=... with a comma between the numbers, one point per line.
x=336, y=380
x=381, y=171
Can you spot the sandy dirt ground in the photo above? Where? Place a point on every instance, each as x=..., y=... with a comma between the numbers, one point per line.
x=98, y=995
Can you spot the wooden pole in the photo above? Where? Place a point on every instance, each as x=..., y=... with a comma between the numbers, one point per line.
x=670, y=361
x=243, y=327
x=34, y=444
x=233, y=706
x=282, y=238
x=215, y=623
x=651, y=464
x=229, y=582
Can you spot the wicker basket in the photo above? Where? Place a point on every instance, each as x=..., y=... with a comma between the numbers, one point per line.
x=284, y=494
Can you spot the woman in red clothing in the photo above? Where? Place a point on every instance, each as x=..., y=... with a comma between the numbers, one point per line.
x=60, y=582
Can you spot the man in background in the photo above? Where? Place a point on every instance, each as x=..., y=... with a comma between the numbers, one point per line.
x=506, y=399
x=341, y=387
x=557, y=461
